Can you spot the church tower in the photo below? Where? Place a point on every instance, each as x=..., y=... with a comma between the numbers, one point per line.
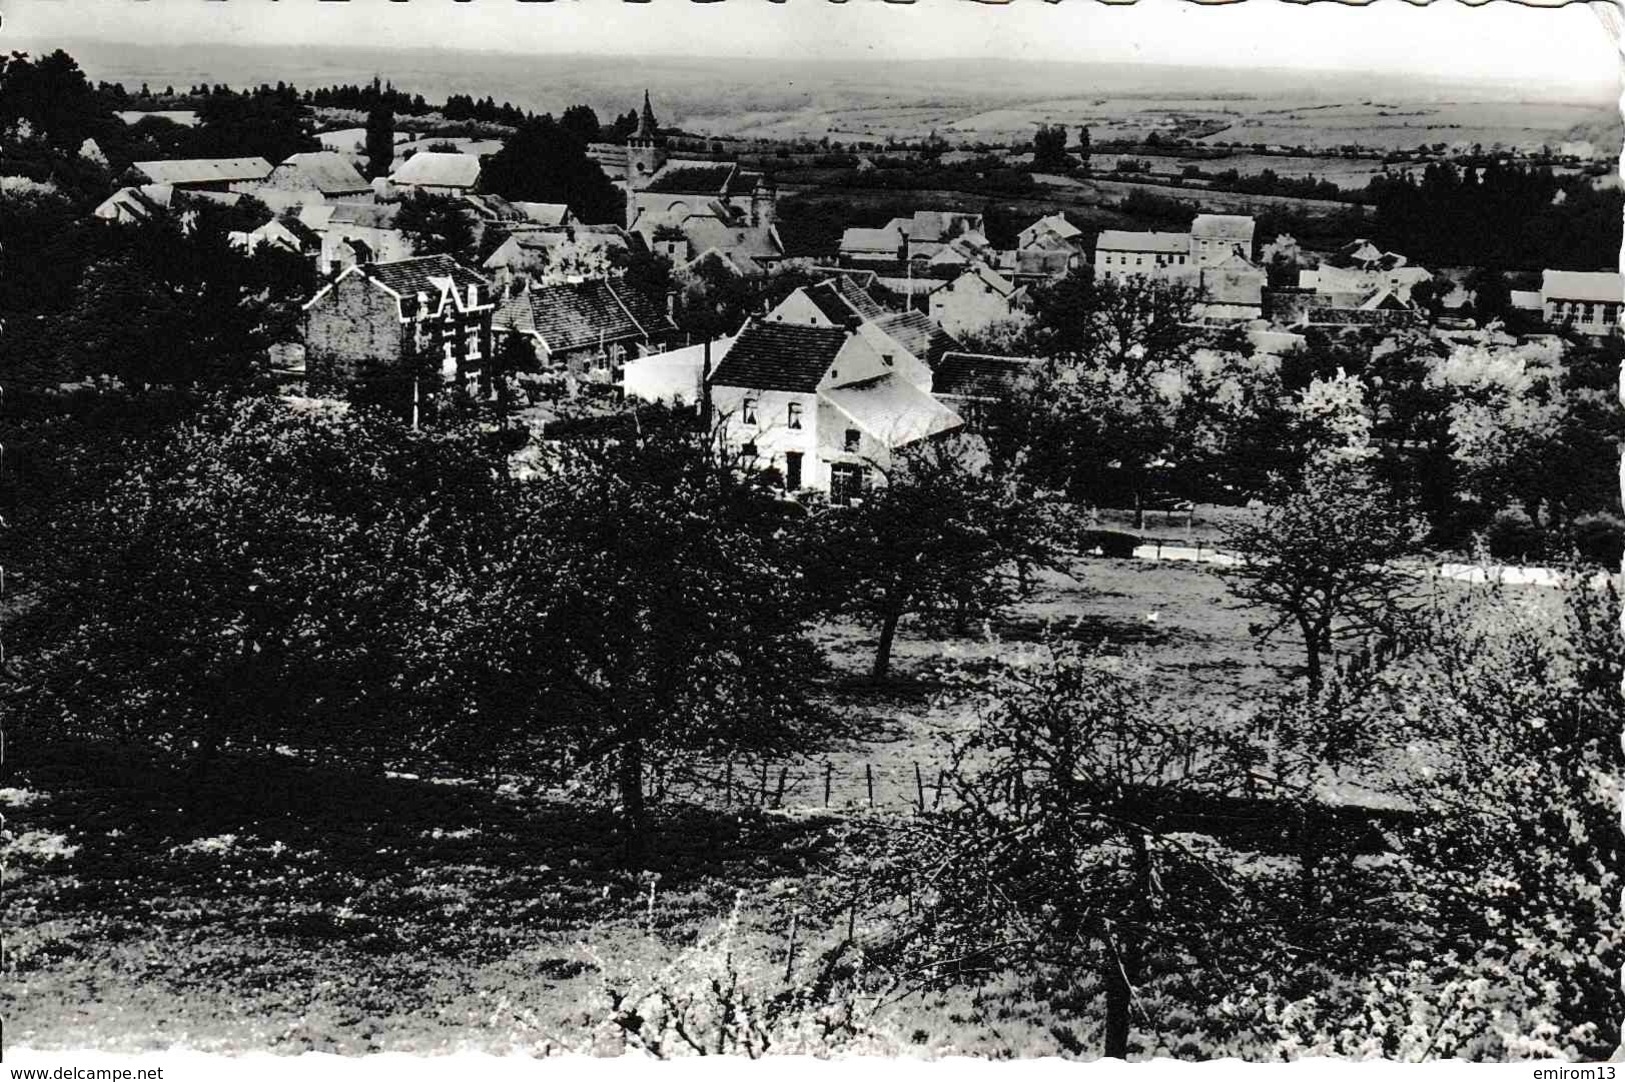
x=645, y=150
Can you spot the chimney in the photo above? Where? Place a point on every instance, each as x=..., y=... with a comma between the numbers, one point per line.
x=671, y=304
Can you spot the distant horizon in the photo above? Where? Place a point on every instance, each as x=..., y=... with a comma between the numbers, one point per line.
x=1541, y=50
x=1579, y=91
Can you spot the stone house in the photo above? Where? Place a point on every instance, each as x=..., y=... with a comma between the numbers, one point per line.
x=436, y=172
x=977, y=298
x=324, y=171
x=1216, y=237
x=392, y=321
x=1587, y=301
x=354, y=233
x=202, y=174
x=821, y=406
x=587, y=329
x=1121, y=252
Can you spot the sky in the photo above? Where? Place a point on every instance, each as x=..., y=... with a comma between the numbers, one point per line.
x=1510, y=43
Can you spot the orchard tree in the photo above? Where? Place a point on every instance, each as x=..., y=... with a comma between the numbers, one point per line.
x=1057, y=849
x=938, y=535
x=656, y=609
x=272, y=576
x=1325, y=563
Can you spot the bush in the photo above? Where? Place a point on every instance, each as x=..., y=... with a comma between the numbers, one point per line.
x=1512, y=535
x=1599, y=538
x=1113, y=543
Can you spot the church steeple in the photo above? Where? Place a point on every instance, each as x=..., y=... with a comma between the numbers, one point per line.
x=647, y=128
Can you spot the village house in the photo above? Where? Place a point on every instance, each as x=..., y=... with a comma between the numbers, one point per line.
x=354, y=233
x=908, y=341
x=886, y=244
x=1587, y=301
x=1216, y=237
x=436, y=172
x=1120, y=253
x=588, y=329
x=396, y=320
x=201, y=174
x=323, y=171
x=976, y=299
x=820, y=406
x=557, y=253
x=286, y=233
x=675, y=377
x=916, y=238
x=147, y=201
x=970, y=383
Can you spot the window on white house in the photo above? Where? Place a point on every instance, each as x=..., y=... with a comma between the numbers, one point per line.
x=793, y=414
x=474, y=343
x=748, y=450
x=885, y=358
x=853, y=439
x=748, y=414
x=1586, y=312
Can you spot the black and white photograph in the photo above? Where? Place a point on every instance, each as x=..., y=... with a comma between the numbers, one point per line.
x=891, y=530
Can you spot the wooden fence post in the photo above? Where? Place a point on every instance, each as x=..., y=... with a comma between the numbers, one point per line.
x=869, y=780
x=778, y=796
x=919, y=789
x=829, y=769
x=728, y=785
x=761, y=795
x=790, y=955
x=937, y=801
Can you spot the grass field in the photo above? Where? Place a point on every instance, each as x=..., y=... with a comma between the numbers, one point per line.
x=281, y=906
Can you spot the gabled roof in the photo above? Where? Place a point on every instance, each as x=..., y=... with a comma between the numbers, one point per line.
x=1236, y=227
x=840, y=299
x=438, y=169
x=325, y=171
x=980, y=375
x=579, y=315
x=1123, y=240
x=1055, y=225
x=204, y=170
x=995, y=281
x=780, y=357
x=544, y=213
x=693, y=177
x=404, y=279
x=918, y=333
x=421, y=274
x=891, y=409
x=1605, y=286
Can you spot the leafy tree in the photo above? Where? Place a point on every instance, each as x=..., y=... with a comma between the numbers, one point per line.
x=581, y=123
x=1492, y=297
x=1083, y=148
x=939, y=535
x=272, y=576
x=380, y=140
x=545, y=161
x=1326, y=562
x=1133, y=324
x=437, y=225
x=1049, y=148
x=654, y=609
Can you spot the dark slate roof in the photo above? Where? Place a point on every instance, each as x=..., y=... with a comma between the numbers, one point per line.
x=826, y=297
x=579, y=315
x=919, y=334
x=979, y=375
x=693, y=178
x=780, y=357
x=409, y=277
